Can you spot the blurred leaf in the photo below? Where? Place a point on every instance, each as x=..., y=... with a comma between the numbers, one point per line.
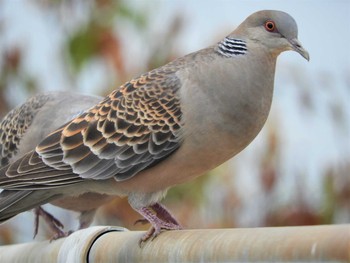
x=98, y=37
x=293, y=215
x=31, y=84
x=6, y=235
x=13, y=59
x=192, y=190
x=329, y=198
x=139, y=19
x=83, y=46
x=109, y=47
x=268, y=173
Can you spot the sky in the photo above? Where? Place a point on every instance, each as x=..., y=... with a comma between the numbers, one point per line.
x=323, y=30
x=323, y=26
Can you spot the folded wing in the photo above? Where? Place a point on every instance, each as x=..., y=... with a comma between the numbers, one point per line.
x=135, y=127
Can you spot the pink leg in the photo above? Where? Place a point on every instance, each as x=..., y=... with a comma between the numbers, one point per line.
x=160, y=219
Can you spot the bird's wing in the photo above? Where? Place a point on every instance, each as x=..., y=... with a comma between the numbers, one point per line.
x=134, y=128
x=15, y=124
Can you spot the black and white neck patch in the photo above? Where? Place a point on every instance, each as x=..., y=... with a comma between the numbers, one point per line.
x=230, y=47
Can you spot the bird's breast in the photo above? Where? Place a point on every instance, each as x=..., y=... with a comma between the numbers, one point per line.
x=223, y=109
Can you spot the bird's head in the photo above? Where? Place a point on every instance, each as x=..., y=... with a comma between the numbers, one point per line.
x=276, y=30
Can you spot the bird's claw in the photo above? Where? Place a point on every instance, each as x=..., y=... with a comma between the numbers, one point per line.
x=60, y=234
x=55, y=225
x=161, y=220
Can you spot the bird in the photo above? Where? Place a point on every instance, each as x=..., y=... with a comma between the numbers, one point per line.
x=163, y=128
x=26, y=125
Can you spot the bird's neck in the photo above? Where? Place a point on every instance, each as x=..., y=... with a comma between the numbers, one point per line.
x=246, y=99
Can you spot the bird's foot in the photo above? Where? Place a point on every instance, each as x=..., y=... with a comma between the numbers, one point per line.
x=54, y=224
x=60, y=234
x=161, y=220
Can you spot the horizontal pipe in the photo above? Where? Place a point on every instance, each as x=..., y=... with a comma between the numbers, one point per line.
x=311, y=244
x=31, y=252
x=111, y=244
x=73, y=248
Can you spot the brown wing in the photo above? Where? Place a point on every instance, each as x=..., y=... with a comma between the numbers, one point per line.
x=135, y=127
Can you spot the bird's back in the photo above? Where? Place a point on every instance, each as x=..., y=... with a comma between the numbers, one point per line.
x=26, y=125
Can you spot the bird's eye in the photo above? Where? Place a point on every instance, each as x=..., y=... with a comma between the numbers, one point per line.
x=270, y=26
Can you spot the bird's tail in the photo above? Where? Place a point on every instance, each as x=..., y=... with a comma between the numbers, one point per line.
x=13, y=202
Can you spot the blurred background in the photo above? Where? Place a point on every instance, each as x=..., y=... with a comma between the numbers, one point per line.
x=296, y=172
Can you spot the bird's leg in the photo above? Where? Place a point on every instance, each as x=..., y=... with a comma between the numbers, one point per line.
x=86, y=218
x=164, y=213
x=160, y=219
x=52, y=222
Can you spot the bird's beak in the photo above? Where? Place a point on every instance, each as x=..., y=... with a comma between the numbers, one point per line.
x=296, y=46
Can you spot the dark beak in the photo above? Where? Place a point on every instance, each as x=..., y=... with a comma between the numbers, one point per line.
x=296, y=46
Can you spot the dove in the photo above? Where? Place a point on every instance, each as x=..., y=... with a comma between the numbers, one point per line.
x=163, y=128
x=25, y=126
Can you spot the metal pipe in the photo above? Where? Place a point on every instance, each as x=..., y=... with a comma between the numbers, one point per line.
x=109, y=244
x=311, y=244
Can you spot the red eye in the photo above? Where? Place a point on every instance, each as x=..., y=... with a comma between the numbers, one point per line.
x=270, y=26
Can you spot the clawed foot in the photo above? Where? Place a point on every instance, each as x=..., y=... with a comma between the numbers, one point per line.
x=60, y=234
x=161, y=220
x=55, y=225
x=153, y=232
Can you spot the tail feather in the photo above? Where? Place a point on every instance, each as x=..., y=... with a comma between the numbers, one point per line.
x=14, y=202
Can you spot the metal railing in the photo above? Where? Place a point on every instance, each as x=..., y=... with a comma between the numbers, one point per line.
x=326, y=243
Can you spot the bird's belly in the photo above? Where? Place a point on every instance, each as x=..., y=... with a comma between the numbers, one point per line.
x=185, y=164
x=84, y=202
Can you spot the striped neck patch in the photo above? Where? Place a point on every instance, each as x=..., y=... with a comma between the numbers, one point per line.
x=230, y=47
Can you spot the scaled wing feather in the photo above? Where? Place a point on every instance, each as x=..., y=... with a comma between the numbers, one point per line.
x=134, y=128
